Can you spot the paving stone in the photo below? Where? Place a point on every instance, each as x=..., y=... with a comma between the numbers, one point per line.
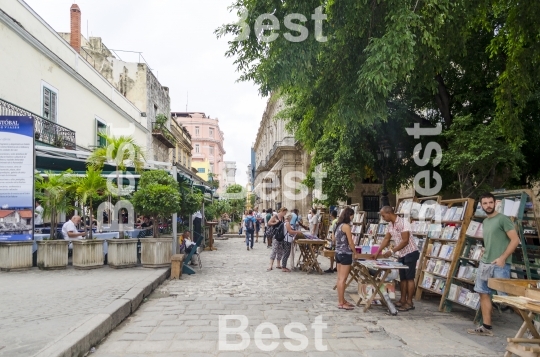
x=384, y=353
x=133, y=337
x=148, y=346
x=161, y=337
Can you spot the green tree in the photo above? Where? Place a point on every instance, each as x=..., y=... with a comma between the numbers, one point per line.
x=121, y=152
x=52, y=192
x=390, y=64
x=236, y=198
x=157, y=196
x=89, y=188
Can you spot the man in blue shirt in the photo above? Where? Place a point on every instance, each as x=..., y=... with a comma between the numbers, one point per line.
x=249, y=224
x=294, y=219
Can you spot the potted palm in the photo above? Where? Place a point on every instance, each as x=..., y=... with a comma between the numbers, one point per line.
x=158, y=197
x=120, y=152
x=53, y=193
x=88, y=253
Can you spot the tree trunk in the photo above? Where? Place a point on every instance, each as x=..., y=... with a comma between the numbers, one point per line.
x=443, y=99
x=91, y=232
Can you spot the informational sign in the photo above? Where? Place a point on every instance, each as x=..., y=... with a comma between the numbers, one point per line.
x=16, y=178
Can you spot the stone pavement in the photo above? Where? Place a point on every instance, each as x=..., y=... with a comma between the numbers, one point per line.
x=181, y=318
x=38, y=307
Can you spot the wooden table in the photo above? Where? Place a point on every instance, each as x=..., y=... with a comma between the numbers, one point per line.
x=354, y=274
x=308, y=254
x=211, y=236
x=376, y=281
x=520, y=346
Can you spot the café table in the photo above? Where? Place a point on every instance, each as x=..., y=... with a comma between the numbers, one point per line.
x=354, y=274
x=308, y=254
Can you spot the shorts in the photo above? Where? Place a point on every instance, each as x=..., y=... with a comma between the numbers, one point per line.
x=343, y=259
x=481, y=286
x=410, y=261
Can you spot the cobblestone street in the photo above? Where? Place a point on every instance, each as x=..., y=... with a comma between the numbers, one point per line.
x=181, y=317
x=38, y=307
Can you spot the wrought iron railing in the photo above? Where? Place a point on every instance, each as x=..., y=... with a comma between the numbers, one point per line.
x=45, y=131
x=165, y=134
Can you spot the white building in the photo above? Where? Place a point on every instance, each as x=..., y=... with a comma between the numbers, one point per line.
x=229, y=174
x=45, y=75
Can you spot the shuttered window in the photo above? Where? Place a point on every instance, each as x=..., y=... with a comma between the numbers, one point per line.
x=50, y=104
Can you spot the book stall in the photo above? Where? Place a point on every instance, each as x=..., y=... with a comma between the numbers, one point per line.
x=443, y=225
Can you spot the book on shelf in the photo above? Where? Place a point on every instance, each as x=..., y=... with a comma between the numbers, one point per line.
x=435, y=250
x=441, y=285
x=428, y=281
x=459, y=213
x=450, y=251
x=440, y=212
x=468, y=298
x=435, y=284
x=475, y=301
x=499, y=206
x=463, y=295
x=438, y=267
x=480, y=231
x=464, y=210
x=415, y=210
x=473, y=228
x=450, y=214
x=443, y=251
x=445, y=269
x=434, y=230
x=476, y=252
x=419, y=243
x=453, y=292
x=431, y=265
x=479, y=211
x=457, y=233
x=461, y=271
x=448, y=232
x=511, y=207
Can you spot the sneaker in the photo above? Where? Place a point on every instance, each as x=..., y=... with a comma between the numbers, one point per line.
x=335, y=270
x=329, y=271
x=247, y=248
x=480, y=331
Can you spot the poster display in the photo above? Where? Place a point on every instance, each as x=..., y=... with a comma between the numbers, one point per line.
x=16, y=178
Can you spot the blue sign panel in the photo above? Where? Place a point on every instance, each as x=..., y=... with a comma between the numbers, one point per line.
x=16, y=178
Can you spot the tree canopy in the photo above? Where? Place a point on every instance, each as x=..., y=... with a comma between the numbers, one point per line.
x=472, y=66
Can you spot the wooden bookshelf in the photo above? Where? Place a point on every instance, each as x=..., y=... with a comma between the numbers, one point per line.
x=433, y=239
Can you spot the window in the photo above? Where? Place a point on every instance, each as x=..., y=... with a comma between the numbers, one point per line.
x=101, y=128
x=197, y=131
x=211, y=132
x=201, y=170
x=211, y=150
x=49, y=103
x=197, y=148
x=212, y=168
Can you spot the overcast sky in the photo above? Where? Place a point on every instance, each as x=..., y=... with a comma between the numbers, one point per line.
x=178, y=42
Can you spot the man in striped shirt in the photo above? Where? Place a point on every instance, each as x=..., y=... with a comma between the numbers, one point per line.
x=405, y=248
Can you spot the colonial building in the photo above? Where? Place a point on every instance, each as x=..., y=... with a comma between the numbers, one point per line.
x=229, y=174
x=48, y=78
x=280, y=164
x=135, y=81
x=181, y=154
x=207, y=140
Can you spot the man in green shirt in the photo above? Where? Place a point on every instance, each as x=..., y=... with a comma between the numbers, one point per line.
x=500, y=241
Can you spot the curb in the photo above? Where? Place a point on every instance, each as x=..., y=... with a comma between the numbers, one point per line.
x=77, y=342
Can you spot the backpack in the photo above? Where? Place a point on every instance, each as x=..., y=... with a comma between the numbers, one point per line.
x=279, y=231
x=249, y=224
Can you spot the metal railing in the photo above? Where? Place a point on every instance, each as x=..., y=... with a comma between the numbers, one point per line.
x=45, y=131
x=288, y=141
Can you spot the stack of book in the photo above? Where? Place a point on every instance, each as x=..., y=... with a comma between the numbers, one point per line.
x=405, y=207
x=454, y=214
x=420, y=227
x=438, y=267
x=476, y=230
x=467, y=272
x=356, y=230
x=358, y=218
x=383, y=228
x=434, y=230
x=451, y=232
x=433, y=283
x=372, y=230
x=464, y=296
x=444, y=251
x=476, y=252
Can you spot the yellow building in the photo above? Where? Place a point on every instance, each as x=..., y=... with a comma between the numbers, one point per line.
x=202, y=167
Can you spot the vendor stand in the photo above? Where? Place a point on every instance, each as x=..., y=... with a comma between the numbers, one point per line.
x=309, y=249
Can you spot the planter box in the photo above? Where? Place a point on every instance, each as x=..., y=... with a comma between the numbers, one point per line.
x=122, y=253
x=156, y=252
x=52, y=254
x=15, y=255
x=87, y=254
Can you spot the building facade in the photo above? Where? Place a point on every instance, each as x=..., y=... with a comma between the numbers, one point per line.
x=280, y=164
x=207, y=141
x=44, y=76
x=181, y=154
x=229, y=174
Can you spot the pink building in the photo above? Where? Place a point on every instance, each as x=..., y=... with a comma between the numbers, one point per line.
x=207, y=140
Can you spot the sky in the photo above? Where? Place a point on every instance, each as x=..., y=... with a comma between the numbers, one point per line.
x=176, y=37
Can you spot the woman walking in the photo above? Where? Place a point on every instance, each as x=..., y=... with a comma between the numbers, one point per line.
x=277, y=247
x=344, y=254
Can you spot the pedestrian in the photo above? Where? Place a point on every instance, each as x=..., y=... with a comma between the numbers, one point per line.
x=314, y=223
x=500, y=241
x=38, y=215
x=299, y=220
x=267, y=237
x=290, y=235
x=249, y=225
x=332, y=227
x=275, y=223
x=399, y=231
x=344, y=254
x=242, y=223
x=257, y=217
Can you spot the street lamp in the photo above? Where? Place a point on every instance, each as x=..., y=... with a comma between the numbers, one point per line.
x=383, y=156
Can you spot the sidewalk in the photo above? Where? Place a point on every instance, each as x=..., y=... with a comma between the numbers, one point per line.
x=50, y=310
x=183, y=318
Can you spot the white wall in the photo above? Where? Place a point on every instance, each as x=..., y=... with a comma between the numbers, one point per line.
x=25, y=67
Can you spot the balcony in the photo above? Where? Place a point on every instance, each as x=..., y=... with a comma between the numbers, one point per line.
x=288, y=143
x=45, y=131
x=163, y=134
